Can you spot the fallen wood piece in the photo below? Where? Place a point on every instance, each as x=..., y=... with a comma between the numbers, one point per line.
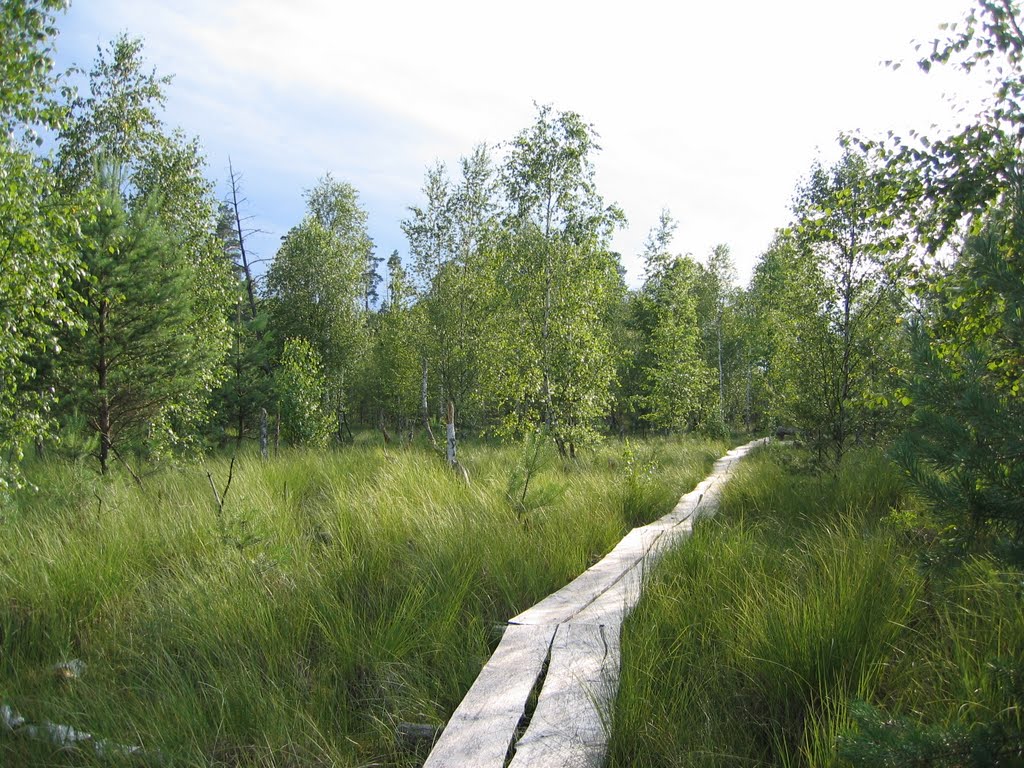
x=571, y=724
x=64, y=736
x=12, y=720
x=69, y=670
x=483, y=727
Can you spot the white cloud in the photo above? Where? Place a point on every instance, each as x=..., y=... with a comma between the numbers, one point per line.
x=710, y=108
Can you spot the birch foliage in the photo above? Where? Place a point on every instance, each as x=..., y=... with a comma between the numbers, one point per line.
x=553, y=285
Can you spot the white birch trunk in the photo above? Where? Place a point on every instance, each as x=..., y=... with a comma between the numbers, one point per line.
x=264, y=434
x=426, y=406
x=451, y=435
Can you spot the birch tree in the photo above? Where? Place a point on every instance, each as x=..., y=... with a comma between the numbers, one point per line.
x=849, y=345
x=36, y=262
x=553, y=283
x=717, y=292
x=679, y=385
x=445, y=237
x=315, y=285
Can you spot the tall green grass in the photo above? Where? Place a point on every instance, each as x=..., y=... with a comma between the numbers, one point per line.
x=799, y=599
x=336, y=594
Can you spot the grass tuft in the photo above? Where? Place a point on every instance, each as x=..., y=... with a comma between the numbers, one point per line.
x=334, y=596
x=797, y=606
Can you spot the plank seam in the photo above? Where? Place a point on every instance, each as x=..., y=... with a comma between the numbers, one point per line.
x=524, y=722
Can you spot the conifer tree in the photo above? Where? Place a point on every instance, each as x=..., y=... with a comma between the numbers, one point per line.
x=160, y=172
x=125, y=370
x=964, y=448
x=965, y=445
x=247, y=389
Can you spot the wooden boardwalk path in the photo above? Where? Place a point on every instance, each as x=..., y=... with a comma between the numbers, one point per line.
x=564, y=651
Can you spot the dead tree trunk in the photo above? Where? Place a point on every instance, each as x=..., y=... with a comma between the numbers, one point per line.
x=250, y=283
x=452, y=461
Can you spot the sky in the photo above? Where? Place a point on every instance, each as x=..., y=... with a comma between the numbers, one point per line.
x=713, y=110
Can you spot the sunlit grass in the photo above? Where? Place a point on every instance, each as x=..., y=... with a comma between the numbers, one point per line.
x=337, y=593
x=802, y=596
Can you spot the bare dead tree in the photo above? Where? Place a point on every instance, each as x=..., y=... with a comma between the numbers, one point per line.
x=221, y=496
x=235, y=180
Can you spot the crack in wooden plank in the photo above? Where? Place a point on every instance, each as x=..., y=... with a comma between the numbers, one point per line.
x=570, y=725
x=482, y=728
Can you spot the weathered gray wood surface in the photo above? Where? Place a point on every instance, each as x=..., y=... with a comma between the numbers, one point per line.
x=576, y=630
x=482, y=728
x=589, y=586
x=570, y=726
x=66, y=737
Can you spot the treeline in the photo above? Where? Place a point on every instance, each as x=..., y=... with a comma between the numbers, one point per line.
x=151, y=333
x=511, y=307
x=134, y=324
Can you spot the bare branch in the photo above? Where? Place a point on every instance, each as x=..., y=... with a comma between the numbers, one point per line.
x=222, y=496
x=117, y=455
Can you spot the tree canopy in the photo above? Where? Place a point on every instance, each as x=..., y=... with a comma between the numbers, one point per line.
x=511, y=305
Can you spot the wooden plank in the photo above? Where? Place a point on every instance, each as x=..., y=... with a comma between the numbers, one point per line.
x=619, y=599
x=565, y=604
x=690, y=504
x=571, y=724
x=561, y=606
x=482, y=728
x=617, y=602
